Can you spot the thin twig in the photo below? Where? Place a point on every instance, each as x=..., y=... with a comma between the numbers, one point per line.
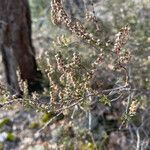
x=115, y=99
x=138, y=140
x=70, y=106
x=48, y=123
x=115, y=89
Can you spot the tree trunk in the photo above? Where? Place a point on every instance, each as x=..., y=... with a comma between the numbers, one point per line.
x=16, y=44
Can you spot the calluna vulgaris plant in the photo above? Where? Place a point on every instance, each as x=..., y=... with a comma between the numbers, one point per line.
x=70, y=80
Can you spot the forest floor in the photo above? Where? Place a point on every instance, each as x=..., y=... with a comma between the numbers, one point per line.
x=23, y=128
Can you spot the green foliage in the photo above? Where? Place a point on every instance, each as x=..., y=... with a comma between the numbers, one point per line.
x=89, y=146
x=11, y=137
x=34, y=125
x=104, y=99
x=47, y=116
x=1, y=146
x=4, y=98
x=4, y=122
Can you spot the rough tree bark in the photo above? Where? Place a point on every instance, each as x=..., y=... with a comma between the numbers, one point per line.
x=16, y=45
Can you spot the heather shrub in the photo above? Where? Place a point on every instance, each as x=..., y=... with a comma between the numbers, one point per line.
x=96, y=75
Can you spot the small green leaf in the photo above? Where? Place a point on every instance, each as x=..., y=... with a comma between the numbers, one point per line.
x=10, y=137
x=104, y=99
x=1, y=146
x=47, y=116
x=4, y=122
x=34, y=125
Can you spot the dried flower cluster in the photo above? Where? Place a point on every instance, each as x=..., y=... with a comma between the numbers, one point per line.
x=121, y=39
x=99, y=60
x=62, y=41
x=72, y=82
x=59, y=16
x=123, y=56
x=133, y=107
